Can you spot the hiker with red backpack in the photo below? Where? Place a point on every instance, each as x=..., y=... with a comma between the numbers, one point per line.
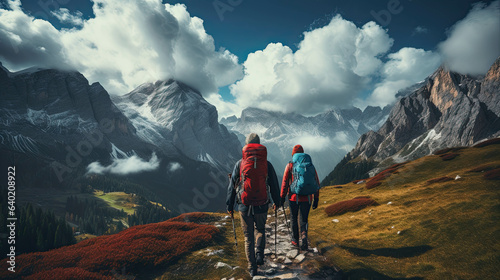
x=301, y=185
x=253, y=185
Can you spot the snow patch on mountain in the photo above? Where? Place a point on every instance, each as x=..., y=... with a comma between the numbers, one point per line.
x=19, y=143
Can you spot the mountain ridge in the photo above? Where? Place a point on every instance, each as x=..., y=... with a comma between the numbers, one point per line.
x=450, y=109
x=56, y=122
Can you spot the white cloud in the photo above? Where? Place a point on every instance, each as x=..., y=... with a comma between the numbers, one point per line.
x=64, y=16
x=126, y=44
x=420, y=30
x=174, y=166
x=313, y=143
x=474, y=42
x=125, y=166
x=404, y=68
x=331, y=66
x=25, y=41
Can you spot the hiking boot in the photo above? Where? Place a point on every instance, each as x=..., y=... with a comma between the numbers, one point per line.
x=304, y=245
x=259, y=259
x=253, y=271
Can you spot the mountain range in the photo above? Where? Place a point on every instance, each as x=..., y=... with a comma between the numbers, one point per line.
x=449, y=109
x=166, y=137
x=327, y=137
x=56, y=128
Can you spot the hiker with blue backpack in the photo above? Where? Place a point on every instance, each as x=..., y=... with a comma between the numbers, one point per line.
x=253, y=186
x=301, y=186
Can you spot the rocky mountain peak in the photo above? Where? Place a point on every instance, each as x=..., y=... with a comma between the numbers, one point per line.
x=450, y=109
x=493, y=74
x=443, y=89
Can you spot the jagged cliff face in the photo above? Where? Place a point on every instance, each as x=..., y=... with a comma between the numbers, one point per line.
x=43, y=109
x=449, y=110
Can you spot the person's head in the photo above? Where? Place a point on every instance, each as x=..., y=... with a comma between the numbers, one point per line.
x=297, y=149
x=252, y=138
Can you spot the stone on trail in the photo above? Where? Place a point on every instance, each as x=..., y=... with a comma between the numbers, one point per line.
x=287, y=261
x=288, y=276
x=270, y=271
x=258, y=277
x=292, y=254
x=300, y=258
x=267, y=252
x=221, y=265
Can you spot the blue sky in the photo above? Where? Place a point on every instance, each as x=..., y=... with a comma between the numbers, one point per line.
x=300, y=56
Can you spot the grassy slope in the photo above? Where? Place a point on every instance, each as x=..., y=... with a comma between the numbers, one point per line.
x=447, y=230
x=118, y=200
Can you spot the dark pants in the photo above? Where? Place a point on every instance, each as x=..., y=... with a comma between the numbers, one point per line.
x=303, y=208
x=251, y=223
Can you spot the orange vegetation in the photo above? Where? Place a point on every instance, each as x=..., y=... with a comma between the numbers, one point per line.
x=135, y=250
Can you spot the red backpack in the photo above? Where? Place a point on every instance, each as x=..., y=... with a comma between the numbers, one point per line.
x=253, y=175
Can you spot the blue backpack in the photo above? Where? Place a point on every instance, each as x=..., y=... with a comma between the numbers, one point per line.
x=304, y=175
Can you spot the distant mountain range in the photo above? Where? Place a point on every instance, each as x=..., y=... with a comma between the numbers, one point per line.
x=327, y=136
x=447, y=110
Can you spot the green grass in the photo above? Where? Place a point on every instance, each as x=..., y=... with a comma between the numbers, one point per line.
x=458, y=220
x=119, y=200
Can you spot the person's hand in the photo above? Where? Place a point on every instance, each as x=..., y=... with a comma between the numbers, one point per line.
x=275, y=207
x=315, y=204
x=231, y=212
x=282, y=201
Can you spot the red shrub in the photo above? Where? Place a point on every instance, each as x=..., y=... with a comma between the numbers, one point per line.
x=492, y=174
x=487, y=143
x=375, y=181
x=194, y=217
x=448, y=150
x=449, y=156
x=352, y=205
x=442, y=152
x=137, y=249
x=73, y=273
x=373, y=184
x=439, y=180
x=482, y=168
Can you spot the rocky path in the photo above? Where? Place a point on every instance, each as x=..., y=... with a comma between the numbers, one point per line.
x=288, y=262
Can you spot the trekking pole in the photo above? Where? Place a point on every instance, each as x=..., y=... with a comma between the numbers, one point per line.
x=232, y=219
x=286, y=221
x=275, y=231
x=234, y=230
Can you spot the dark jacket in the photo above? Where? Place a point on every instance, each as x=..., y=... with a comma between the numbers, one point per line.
x=272, y=181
